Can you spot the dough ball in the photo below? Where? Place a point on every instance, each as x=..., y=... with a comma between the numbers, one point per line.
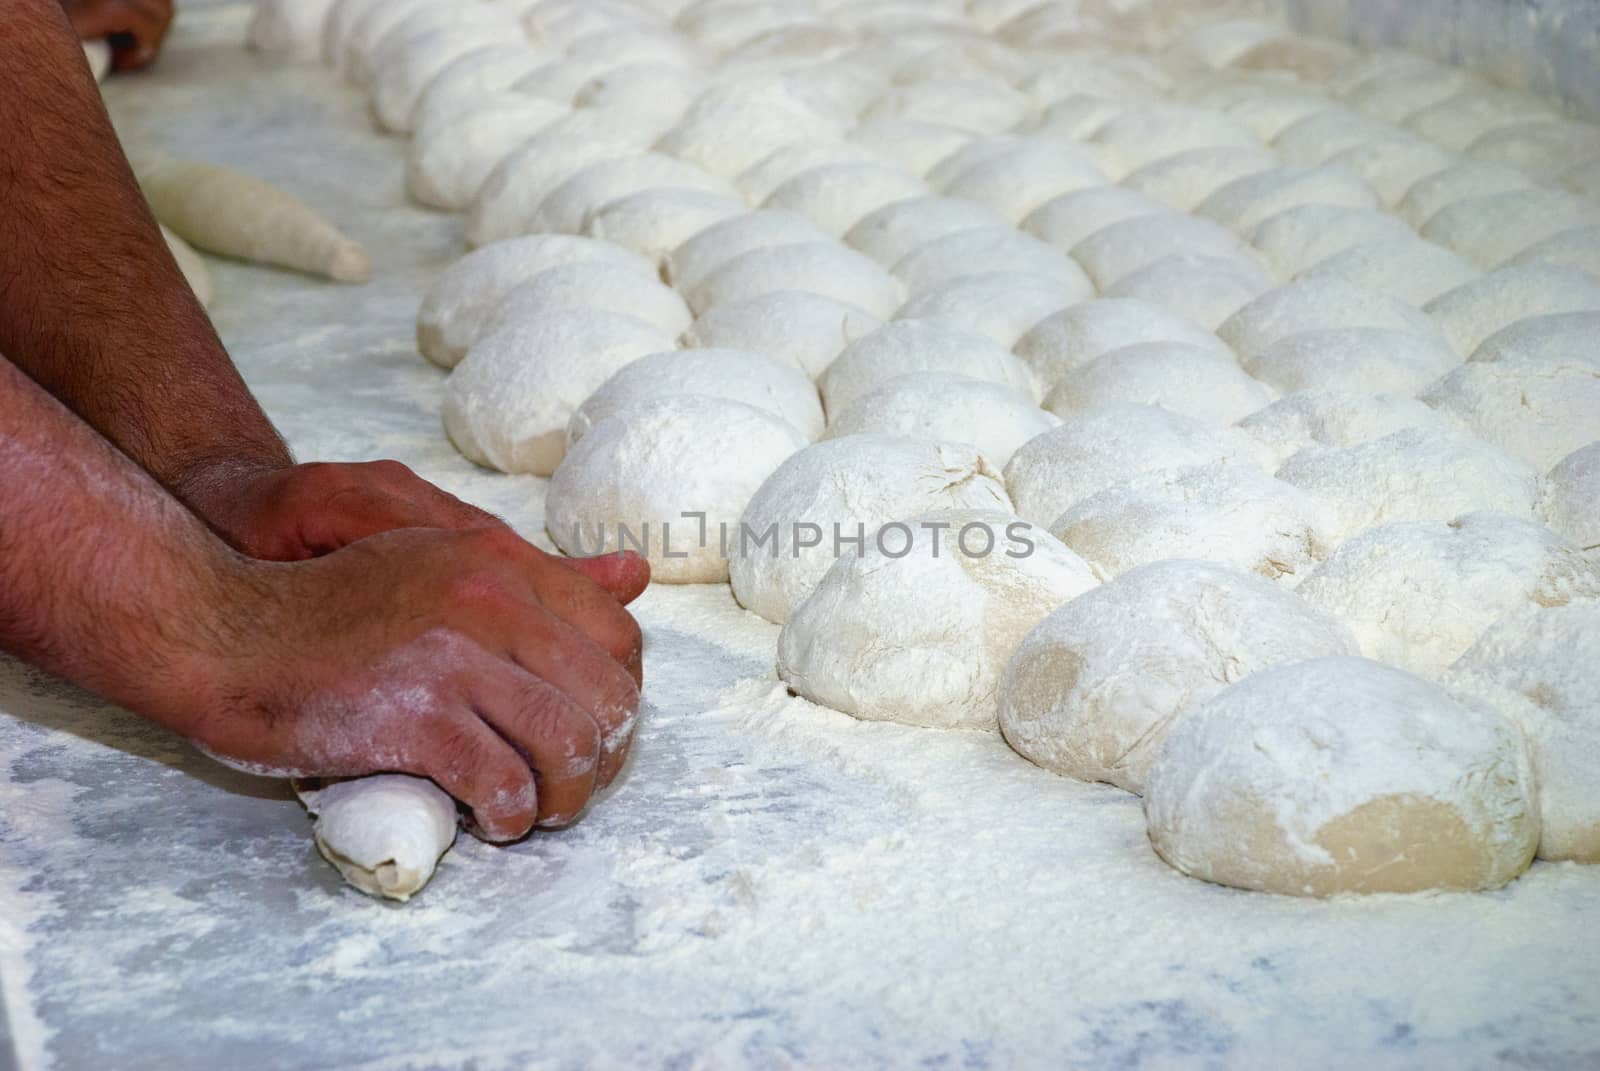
x=1184, y=179
x=761, y=179
x=1394, y=165
x=1067, y=220
x=1368, y=359
x=508, y=403
x=698, y=257
x=384, y=833
x=919, y=631
x=756, y=380
x=905, y=347
x=1578, y=248
x=507, y=199
x=1093, y=690
x=1338, y=418
x=645, y=466
x=1569, y=497
x=570, y=204
x=1412, y=270
x=1301, y=237
x=913, y=144
x=653, y=223
x=1269, y=111
x=1106, y=445
x=451, y=157
x=1475, y=310
x=841, y=489
x=1023, y=176
x=1310, y=59
x=1419, y=593
x=1003, y=306
x=946, y=407
x=1399, y=94
x=1340, y=775
x=893, y=231
x=1415, y=474
x=470, y=78
x=1315, y=139
x=1432, y=193
x=1553, y=338
x=290, y=27
x=1245, y=203
x=1117, y=251
x=1226, y=511
x=806, y=330
x=1145, y=134
x=664, y=90
x=1490, y=229
x=831, y=269
x=734, y=124
x=1312, y=305
x=1537, y=666
x=977, y=252
x=408, y=67
x=1196, y=381
x=1544, y=148
x=456, y=305
x=838, y=196
x=592, y=284
x=1203, y=290
x=1460, y=119
x=982, y=105
x=1061, y=344
x=1538, y=410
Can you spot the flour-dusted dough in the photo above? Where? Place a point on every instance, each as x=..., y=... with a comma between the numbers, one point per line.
x=905, y=347
x=452, y=156
x=806, y=330
x=914, y=144
x=654, y=222
x=1316, y=304
x=1001, y=305
x=1536, y=408
x=1538, y=667
x=640, y=478
x=384, y=833
x=841, y=489
x=1410, y=269
x=455, y=307
x=733, y=125
x=1145, y=134
x=1203, y=290
x=1024, y=175
x=1392, y=166
x=1491, y=229
x=1415, y=474
x=755, y=379
x=1419, y=593
x=1197, y=381
x=947, y=407
x=1338, y=418
x=838, y=196
x=482, y=73
x=1569, y=497
x=1340, y=775
x=758, y=181
x=1370, y=359
x=1116, y=251
x=1067, y=220
x=508, y=403
x=895, y=230
x=1578, y=248
x=982, y=105
x=829, y=268
x=236, y=215
x=1471, y=312
x=989, y=249
x=1092, y=692
x=687, y=266
x=1301, y=237
x=508, y=197
x=1184, y=179
x=1226, y=511
x=919, y=627
x=565, y=208
x=592, y=284
x=1063, y=343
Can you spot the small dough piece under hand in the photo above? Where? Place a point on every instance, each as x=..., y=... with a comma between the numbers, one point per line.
x=237, y=215
x=384, y=833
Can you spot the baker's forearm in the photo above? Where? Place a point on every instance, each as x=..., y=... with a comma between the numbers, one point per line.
x=104, y=578
x=92, y=305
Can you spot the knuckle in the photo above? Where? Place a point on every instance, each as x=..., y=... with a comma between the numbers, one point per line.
x=477, y=588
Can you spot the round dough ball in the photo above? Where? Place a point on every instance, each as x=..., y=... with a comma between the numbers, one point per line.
x=1555, y=337
x=1438, y=190
x=982, y=105
x=1315, y=139
x=639, y=476
x=976, y=252
x=1338, y=418
x=1193, y=380
x=913, y=144
x=798, y=522
x=664, y=90
x=1106, y=445
x=1245, y=203
x=653, y=223
x=1114, y=252
x=565, y=209
x=469, y=78
x=733, y=125
x=1226, y=511
x=1539, y=410
x=905, y=347
x=1301, y=237
x=699, y=256
x=1184, y=179
x=1393, y=165
x=1067, y=220
x=895, y=230
x=1537, y=666
x=458, y=302
x=1578, y=248
x=1003, y=306
x=1063, y=343
x=508, y=403
x=411, y=65
x=1024, y=175
x=507, y=199
x=1203, y=290
x=753, y=379
x=918, y=631
x=758, y=181
x=1316, y=304
x=1569, y=497
x=1419, y=593
x=451, y=157
x=592, y=284
x=831, y=269
x=836, y=197
x=1145, y=134
x=1369, y=359
x=1093, y=690
x=806, y=330
x=1415, y=474
x=946, y=407
x=1410, y=269
x=1491, y=229
x=1340, y=775
x=1475, y=310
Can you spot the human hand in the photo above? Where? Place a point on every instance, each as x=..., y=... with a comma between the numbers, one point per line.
x=465, y=656
x=135, y=29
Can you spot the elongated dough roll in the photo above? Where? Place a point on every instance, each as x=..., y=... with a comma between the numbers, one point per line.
x=237, y=215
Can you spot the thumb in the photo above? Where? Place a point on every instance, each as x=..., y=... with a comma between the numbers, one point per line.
x=624, y=574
